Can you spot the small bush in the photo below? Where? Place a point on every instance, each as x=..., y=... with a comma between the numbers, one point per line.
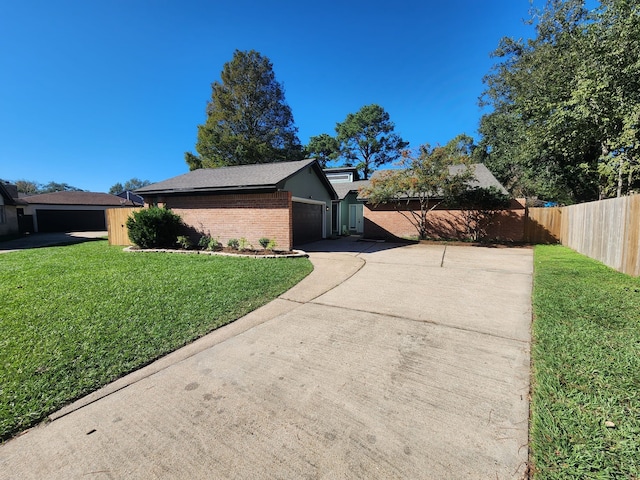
x=184, y=242
x=233, y=243
x=244, y=244
x=207, y=242
x=267, y=244
x=204, y=241
x=154, y=227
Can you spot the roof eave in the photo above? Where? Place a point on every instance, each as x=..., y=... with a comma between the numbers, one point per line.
x=175, y=191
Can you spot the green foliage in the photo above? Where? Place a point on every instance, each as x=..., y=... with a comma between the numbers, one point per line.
x=28, y=187
x=585, y=369
x=479, y=198
x=566, y=102
x=210, y=243
x=184, y=242
x=75, y=318
x=154, y=227
x=33, y=188
x=130, y=185
x=233, y=243
x=324, y=148
x=424, y=181
x=267, y=244
x=244, y=244
x=58, y=187
x=248, y=120
x=367, y=139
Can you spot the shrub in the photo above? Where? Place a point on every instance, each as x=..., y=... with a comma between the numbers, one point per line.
x=204, y=241
x=267, y=244
x=184, y=242
x=209, y=243
x=233, y=243
x=154, y=227
x=244, y=244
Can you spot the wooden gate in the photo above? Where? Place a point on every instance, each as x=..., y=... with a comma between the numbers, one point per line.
x=117, y=225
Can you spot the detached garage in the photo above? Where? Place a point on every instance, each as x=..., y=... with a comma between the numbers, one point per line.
x=72, y=211
x=285, y=201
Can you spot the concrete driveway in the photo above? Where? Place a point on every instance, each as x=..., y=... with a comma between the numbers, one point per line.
x=386, y=362
x=39, y=240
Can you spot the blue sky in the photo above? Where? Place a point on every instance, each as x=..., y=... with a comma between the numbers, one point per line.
x=97, y=92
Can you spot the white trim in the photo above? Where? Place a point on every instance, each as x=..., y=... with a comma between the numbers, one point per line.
x=315, y=202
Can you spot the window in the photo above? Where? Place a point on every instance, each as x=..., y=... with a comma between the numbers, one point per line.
x=3, y=217
x=339, y=177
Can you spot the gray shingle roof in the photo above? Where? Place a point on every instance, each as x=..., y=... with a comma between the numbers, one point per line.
x=483, y=177
x=343, y=188
x=77, y=198
x=257, y=176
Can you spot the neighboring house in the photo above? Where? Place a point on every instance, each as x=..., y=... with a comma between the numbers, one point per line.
x=347, y=213
x=11, y=208
x=288, y=202
x=72, y=211
x=384, y=221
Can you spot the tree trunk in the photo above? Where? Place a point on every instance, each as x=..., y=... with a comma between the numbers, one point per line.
x=620, y=177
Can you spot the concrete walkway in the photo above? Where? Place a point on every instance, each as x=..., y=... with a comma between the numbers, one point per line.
x=386, y=362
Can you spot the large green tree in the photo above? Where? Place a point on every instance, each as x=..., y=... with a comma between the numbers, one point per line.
x=367, y=139
x=565, y=104
x=248, y=120
x=324, y=148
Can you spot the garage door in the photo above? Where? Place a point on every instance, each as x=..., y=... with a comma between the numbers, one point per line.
x=307, y=222
x=70, y=220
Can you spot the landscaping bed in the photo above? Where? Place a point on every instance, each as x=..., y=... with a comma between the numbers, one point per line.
x=227, y=251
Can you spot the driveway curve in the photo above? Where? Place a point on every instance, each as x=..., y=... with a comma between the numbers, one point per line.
x=388, y=361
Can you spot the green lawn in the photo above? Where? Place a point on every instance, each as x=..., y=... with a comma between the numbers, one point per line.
x=585, y=410
x=76, y=317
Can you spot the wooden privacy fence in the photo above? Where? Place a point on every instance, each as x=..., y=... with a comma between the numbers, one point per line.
x=607, y=230
x=117, y=225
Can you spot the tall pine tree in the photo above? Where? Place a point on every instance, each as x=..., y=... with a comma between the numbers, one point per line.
x=248, y=120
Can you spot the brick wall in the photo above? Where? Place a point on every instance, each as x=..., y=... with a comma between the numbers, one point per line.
x=384, y=221
x=251, y=215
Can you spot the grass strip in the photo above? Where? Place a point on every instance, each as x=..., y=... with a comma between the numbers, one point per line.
x=585, y=409
x=77, y=317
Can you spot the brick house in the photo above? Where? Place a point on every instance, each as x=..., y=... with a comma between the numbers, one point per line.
x=289, y=202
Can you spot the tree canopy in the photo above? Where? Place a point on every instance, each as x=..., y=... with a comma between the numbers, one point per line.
x=34, y=188
x=131, y=185
x=565, y=105
x=365, y=140
x=425, y=180
x=248, y=120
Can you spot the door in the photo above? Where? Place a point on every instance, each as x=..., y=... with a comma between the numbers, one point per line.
x=356, y=217
x=307, y=222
